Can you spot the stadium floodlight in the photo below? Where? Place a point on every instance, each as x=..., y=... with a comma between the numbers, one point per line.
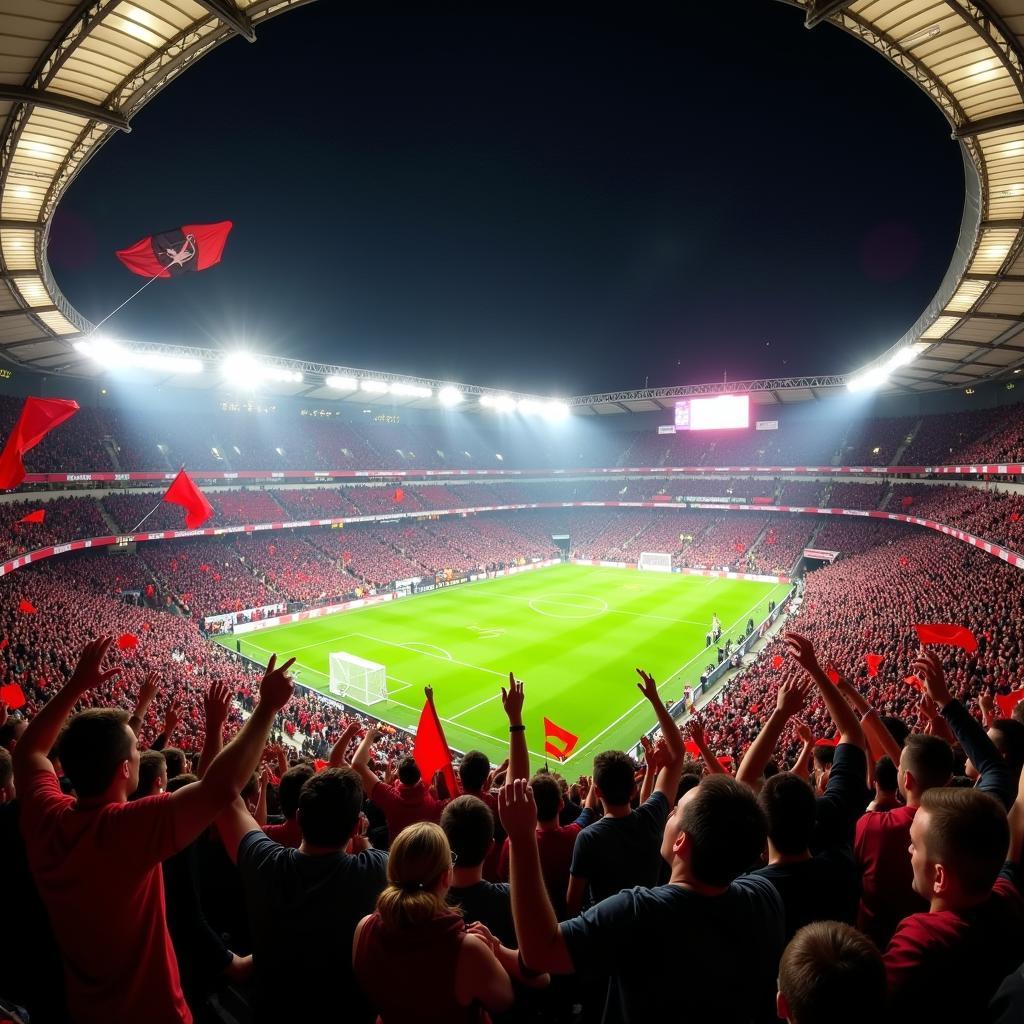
x=449, y=396
x=114, y=356
x=555, y=409
x=500, y=403
x=401, y=387
x=529, y=406
x=877, y=375
x=342, y=383
x=247, y=370
x=374, y=387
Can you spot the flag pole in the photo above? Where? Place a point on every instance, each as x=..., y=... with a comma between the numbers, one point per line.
x=159, y=503
x=138, y=291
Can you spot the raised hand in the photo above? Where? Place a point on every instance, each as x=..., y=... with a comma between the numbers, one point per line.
x=696, y=731
x=649, y=755
x=171, y=717
x=512, y=699
x=428, y=692
x=481, y=931
x=987, y=703
x=276, y=687
x=216, y=705
x=928, y=669
x=517, y=810
x=88, y=674
x=791, y=697
x=801, y=650
x=803, y=731
x=147, y=691
x=649, y=688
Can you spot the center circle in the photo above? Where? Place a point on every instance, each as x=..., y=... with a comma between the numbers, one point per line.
x=569, y=606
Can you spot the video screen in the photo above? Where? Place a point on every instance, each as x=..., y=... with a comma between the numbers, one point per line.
x=724, y=412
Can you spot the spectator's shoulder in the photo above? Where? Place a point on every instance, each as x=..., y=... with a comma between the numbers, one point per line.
x=257, y=850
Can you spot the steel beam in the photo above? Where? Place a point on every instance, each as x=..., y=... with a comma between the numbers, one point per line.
x=66, y=105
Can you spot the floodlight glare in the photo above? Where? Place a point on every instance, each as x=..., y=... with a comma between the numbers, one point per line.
x=528, y=406
x=114, y=356
x=449, y=396
x=878, y=375
x=400, y=387
x=374, y=387
x=247, y=370
x=342, y=383
x=554, y=409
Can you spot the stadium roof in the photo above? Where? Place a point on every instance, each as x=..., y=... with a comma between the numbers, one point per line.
x=74, y=72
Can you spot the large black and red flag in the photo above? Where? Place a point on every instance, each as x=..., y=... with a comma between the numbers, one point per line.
x=178, y=251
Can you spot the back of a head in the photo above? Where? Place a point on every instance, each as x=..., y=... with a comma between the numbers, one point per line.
x=824, y=754
x=473, y=771
x=469, y=825
x=93, y=746
x=967, y=832
x=290, y=787
x=1018, y=712
x=831, y=974
x=726, y=828
x=789, y=806
x=614, y=777
x=152, y=767
x=409, y=771
x=418, y=857
x=177, y=763
x=1008, y=737
x=929, y=759
x=547, y=795
x=898, y=729
x=181, y=781
x=886, y=774
x=329, y=806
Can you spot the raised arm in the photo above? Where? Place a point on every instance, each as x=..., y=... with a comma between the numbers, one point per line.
x=696, y=730
x=197, y=805
x=801, y=650
x=216, y=704
x=802, y=765
x=650, y=769
x=361, y=760
x=32, y=751
x=147, y=691
x=518, y=755
x=880, y=740
x=675, y=750
x=337, y=756
x=789, y=701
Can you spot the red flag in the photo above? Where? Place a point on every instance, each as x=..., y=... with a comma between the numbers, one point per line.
x=947, y=633
x=904, y=561
x=431, y=749
x=914, y=683
x=34, y=517
x=320, y=764
x=127, y=642
x=38, y=417
x=873, y=661
x=4, y=643
x=178, y=251
x=563, y=736
x=832, y=675
x=1006, y=702
x=834, y=742
x=1014, y=517
x=27, y=607
x=12, y=696
x=692, y=749
x=777, y=661
x=399, y=495
x=907, y=501
x=184, y=492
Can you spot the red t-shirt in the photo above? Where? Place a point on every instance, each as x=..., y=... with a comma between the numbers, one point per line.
x=555, y=846
x=948, y=965
x=404, y=805
x=287, y=833
x=98, y=872
x=882, y=850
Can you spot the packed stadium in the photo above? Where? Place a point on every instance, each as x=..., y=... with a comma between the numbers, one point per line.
x=370, y=647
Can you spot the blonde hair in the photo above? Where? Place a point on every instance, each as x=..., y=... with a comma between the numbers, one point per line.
x=418, y=857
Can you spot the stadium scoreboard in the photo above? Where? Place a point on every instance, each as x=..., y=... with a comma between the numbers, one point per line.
x=723, y=412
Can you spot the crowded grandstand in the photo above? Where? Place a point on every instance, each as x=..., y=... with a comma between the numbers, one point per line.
x=398, y=699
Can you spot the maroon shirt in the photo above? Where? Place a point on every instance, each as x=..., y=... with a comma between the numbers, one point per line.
x=404, y=805
x=555, y=846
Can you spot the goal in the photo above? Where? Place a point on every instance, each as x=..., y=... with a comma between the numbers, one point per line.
x=655, y=561
x=362, y=680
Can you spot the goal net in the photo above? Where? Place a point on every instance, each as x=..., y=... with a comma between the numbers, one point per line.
x=361, y=680
x=655, y=561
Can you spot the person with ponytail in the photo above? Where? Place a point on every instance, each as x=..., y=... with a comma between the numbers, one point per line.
x=415, y=958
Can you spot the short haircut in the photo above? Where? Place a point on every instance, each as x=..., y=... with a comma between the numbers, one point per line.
x=1017, y=715
x=824, y=754
x=6, y=768
x=9, y=730
x=291, y=785
x=151, y=766
x=929, y=759
x=181, y=781
x=968, y=833
x=687, y=782
x=831, y=974
x=614, y=776
x=469, y=825
x=329, y=806
x=473, y=771
x=177, y=762
x=886, y=774
x=409, y=770
x=726, y=828
x=1009, y=741
x=547, y=795
x=93, y=746
x=898, y=729
x=790, y=807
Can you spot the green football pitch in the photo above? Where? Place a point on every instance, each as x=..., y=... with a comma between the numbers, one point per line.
x=574, y=634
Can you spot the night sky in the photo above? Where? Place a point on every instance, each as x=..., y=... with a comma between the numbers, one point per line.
x=557, y=205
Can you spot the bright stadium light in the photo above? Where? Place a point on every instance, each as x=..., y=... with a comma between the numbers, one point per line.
x=374, y=387
x=529, y=406
x=500, y=403
x=449, y=396
x=555, y=409
x=400, y=387
x=876, y=376
x=342, y=383
x=247, y=370
x=114, y=356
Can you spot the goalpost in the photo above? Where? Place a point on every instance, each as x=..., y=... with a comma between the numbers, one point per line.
x=655, y=561
x=362, y=680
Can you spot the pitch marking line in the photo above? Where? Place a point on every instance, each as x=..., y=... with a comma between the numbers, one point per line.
x=594, y=611
x=643, y=700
